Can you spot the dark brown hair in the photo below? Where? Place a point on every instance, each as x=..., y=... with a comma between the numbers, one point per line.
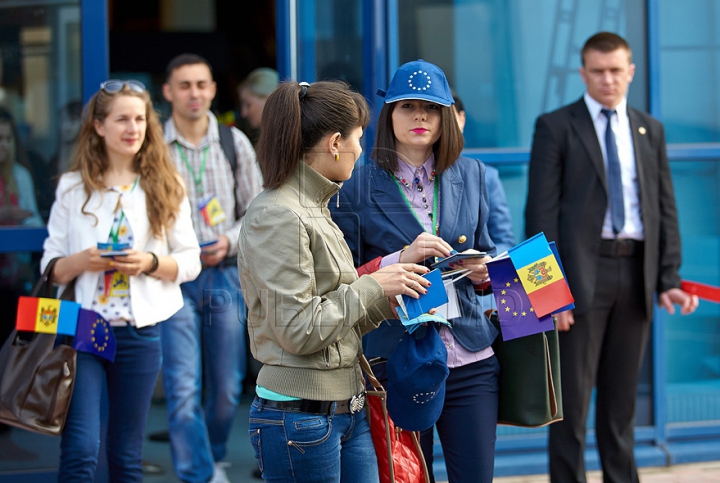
x=447, y=149
x=605, y=42
x=182, y=60
x=292, y=126
x=158, y=176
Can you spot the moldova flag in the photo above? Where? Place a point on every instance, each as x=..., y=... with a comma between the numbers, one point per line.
x=47, y=316
x=516, y=314
x=94, y=335
x=540, y=274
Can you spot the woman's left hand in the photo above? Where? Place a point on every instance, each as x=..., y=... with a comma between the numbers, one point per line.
x=477, y=267
x=134, y=263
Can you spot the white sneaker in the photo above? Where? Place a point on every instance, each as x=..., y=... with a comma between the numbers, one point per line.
x=219, y=475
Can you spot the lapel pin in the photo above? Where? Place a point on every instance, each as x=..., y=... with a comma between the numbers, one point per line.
x=642, y=130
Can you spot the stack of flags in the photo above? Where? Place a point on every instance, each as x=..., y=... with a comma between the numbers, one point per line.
x=529, y=285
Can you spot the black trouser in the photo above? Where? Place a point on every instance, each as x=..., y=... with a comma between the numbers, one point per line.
x=604, y=348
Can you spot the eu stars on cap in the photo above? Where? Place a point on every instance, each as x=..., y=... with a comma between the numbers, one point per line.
x=419, y=80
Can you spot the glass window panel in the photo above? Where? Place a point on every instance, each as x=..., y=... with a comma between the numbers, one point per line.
x=40, y=92
x=40, y=83
x=693, y=342
x=338, y=41
x=511, y=60
x=689, y=61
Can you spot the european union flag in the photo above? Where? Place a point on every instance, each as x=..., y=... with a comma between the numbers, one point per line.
x=94, y=335
x=517, y=316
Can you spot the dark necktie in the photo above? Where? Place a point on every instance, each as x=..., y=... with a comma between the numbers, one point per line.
x=617, y=211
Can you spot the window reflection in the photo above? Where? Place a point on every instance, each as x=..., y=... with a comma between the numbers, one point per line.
x=39, y=74
x=512, y=60
x=693, y=349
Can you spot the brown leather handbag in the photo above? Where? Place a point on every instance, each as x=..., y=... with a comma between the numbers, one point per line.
x=37, y=375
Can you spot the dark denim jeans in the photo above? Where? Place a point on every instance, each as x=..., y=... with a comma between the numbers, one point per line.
x=204, y=344
x=294, y=447
x=130, y=382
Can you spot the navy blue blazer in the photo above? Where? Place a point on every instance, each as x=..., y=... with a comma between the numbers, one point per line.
x=376, y=220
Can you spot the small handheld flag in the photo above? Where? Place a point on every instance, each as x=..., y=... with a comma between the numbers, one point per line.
x=95, y=335
x=47, y=316
x=516, y=314
x=540, y=274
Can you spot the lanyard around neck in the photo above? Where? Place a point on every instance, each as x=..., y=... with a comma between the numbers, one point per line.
x=435, y=218
x=197, y=178
x=114, y=234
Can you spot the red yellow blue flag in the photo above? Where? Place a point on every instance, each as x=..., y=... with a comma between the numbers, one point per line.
x=541, y=275
x=94, y=335
x=47, y=316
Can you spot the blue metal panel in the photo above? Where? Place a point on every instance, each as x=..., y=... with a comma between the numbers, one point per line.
x=21, y=239
x=676, y=152
x=282, y=38
x=693, y=452
x=676, y=432
x=653, y=57
x=95, y=45
x=710, y=151
x=393, y=39
x=659, y=374
x=375, y=70
x=499, y=156
x=307, y=35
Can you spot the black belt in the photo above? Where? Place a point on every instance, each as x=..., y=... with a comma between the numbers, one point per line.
x=352, y=405
x=625, y=247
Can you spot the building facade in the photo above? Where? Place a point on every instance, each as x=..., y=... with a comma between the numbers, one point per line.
x=509, y=60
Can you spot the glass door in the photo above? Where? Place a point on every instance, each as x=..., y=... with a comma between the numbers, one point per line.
x=41, y=96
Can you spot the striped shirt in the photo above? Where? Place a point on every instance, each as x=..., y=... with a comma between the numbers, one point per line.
x=216, y=178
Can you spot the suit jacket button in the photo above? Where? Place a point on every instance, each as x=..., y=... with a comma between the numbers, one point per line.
x=462, y=239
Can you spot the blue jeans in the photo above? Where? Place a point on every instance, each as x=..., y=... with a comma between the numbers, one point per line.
x=294, y=447
x=203, y=367
x=130, y=382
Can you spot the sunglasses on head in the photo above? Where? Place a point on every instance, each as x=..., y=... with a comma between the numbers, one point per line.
x=115, y=85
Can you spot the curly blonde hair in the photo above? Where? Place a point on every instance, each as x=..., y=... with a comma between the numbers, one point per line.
x=158, y=176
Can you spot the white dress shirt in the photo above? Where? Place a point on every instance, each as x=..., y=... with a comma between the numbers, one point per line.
x=620, y=124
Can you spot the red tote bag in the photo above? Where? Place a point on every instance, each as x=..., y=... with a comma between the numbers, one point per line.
x=400, y=459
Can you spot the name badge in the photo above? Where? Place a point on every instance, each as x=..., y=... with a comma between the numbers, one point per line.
x=211, y=210
x=119, y=285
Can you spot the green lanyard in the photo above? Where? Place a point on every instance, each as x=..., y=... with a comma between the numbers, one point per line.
x=114, y=234
x=435, y=213
x=197, y=179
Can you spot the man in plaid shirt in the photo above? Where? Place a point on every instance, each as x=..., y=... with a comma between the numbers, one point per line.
x=204, y=343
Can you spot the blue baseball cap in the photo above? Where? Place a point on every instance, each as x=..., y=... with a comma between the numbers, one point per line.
x=419, y=80
x=417, y=370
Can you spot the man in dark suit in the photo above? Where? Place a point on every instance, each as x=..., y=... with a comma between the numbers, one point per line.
x=604, y=194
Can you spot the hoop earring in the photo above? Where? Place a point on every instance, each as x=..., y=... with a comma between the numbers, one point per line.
x=337, y=157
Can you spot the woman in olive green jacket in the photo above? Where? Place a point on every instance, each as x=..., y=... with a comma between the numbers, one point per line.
x=308, y=309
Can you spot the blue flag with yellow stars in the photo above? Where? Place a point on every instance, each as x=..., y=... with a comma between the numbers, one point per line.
x=94, y=335
x=517, y=316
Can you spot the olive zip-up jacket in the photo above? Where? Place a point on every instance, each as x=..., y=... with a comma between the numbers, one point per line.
x=307, y=308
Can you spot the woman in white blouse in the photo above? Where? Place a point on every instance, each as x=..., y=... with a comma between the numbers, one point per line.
x=123, y=189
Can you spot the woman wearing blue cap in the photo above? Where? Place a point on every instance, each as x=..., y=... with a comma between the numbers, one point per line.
x=419, y=200
x=307, y=307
